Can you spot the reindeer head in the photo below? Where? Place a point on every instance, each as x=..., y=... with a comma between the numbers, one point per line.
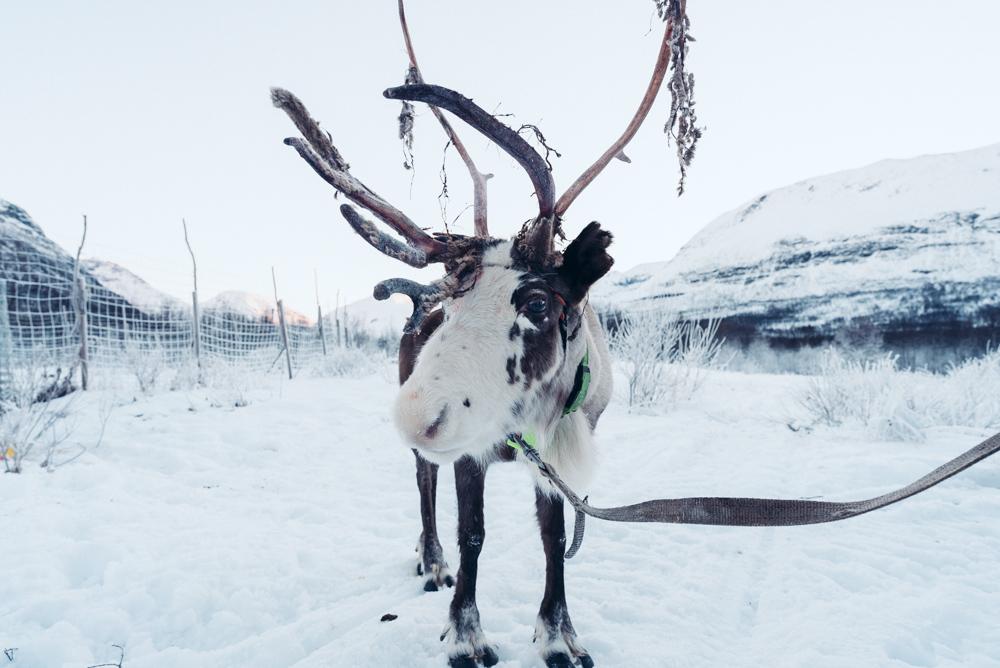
x=501, y=353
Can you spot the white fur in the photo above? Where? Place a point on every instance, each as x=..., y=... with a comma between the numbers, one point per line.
x=466, y=358
x=571, y=452
x=475, y=641
x=439, y=572
x=556, y=641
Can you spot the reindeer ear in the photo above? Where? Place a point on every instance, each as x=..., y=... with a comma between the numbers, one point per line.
x=585, y=261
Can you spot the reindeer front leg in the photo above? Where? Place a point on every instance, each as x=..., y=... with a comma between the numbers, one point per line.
x=430, y=556
x=467, y=646
x=554, y=629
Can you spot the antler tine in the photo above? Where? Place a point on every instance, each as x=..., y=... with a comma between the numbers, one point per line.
x=424, y=297
x=659, y=72
x=381, y=241
x=512, y=143
x=319, y=152
x=478, y=178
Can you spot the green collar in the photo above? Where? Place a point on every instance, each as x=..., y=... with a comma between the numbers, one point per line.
x=581, y=385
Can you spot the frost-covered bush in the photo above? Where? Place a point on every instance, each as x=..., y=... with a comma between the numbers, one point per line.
x=971, y=392
x=872, y=393
x=351, y=362
x=663, y=357
x=34, y=413
x=897, y=404
x=228, y=383
x=145, y=359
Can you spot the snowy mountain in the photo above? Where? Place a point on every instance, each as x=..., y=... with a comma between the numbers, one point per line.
x=130, y=286
x=39, y=284
x=253, y=307
x=381, y=317
x=906, y=248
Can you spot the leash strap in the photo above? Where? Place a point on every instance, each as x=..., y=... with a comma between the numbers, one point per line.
x=748, y=512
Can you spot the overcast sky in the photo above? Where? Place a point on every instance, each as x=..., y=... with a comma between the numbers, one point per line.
x=139, y=113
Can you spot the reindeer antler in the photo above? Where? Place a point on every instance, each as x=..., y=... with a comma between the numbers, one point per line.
x=478, y=178
x=508, y=140
x=616, y=149
x=318, y=151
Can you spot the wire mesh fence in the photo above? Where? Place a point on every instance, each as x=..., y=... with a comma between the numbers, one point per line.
x=61, y=319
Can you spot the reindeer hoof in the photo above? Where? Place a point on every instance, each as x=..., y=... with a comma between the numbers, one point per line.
x=558, y=644
x=438, y=579
x=431, y=564
x=561, y=660
x=467, y=645
x=486, y=656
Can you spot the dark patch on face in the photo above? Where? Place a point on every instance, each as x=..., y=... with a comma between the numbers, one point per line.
x=511, y=367
x=515, y=330
x=466, y=402
x=541, y=343
x=432, y=430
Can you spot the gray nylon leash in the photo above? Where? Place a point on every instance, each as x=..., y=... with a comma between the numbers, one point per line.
x=747, y=512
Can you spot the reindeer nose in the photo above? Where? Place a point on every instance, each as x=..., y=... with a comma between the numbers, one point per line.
x=432, y=430
x=420, y=418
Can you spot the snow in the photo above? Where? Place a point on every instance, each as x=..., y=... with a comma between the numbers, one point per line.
x=134, y=289
x=870, y=242
x=278, y=535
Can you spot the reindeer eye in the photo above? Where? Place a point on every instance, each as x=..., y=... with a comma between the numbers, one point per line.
x=538, y=305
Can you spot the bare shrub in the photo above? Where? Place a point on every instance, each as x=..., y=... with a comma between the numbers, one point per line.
x=972, y=393
x=896, y=404
x=351, y=362
x=663, y=357
x=33, y=413
x=145, y=359
x=229, y=383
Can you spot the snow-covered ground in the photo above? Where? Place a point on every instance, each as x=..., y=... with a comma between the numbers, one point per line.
x=279, y=534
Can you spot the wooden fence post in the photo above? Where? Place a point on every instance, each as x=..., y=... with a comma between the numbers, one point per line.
x=195, y=308
x=284, y=336
x=6, y=343
x=81, y=318
x=336, y=317
x=347, y=331
x=319, y=313
x=196, y=327
x=322, y=334
x=80, y=306
x=281, y=323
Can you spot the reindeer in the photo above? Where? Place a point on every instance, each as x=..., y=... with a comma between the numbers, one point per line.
x=514, y=348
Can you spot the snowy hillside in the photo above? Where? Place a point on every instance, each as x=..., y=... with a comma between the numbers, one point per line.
x=381, y=317
x=39, y=282
x=279, y=534
x=136, y=290
x=910, y=247
x=252, y=307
